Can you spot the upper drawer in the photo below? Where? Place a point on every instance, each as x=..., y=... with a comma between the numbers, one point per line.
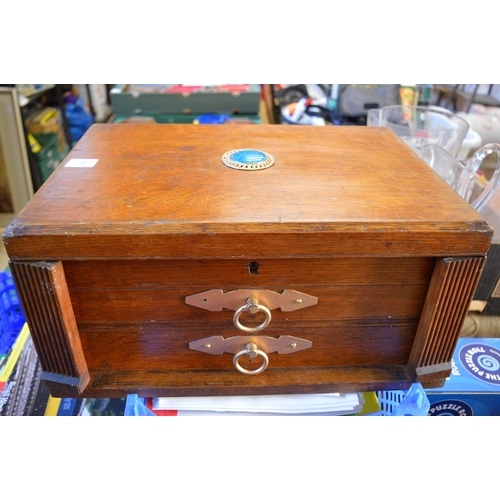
x=366, y=289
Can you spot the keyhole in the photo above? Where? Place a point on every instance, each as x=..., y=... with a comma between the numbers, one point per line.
x=253, y=268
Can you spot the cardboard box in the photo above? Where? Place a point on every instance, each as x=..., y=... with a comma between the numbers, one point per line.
x=48, y=121
x=129, y=99
x=473, y=388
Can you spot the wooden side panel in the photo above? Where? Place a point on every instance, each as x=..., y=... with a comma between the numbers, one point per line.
x=451, y=290
x=46, y=302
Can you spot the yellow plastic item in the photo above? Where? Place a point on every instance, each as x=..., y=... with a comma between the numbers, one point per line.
x=371, y=404
x=52, y=407
x=14, y=355
x=47, y=115
x=34, y=144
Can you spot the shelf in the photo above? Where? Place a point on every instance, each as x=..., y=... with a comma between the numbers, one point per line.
x=26, y=97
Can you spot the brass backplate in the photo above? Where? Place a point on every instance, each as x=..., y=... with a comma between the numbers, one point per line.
x=217, y=300
x=284, y=344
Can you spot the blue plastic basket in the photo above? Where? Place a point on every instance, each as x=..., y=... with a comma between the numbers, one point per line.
x=413, y=402
x=136, y=407
x=11, y=313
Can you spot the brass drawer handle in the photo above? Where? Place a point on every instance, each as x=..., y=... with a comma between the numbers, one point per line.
x=247, y=345
x=252, y=351
x=253, y=307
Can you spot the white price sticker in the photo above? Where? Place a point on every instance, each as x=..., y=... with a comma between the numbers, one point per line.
x=81, y=163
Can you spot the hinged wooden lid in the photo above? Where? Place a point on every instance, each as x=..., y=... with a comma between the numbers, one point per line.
x=162, y=191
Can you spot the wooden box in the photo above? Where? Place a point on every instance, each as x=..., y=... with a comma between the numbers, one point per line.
x=347, y=265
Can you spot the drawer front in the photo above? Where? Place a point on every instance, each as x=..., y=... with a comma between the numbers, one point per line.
x=133, y=314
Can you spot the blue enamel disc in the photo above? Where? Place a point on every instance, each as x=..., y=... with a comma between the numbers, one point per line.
x=247, y=159
x=248, y=156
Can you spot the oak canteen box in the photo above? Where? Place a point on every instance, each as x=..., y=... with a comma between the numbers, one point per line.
x=173, y=260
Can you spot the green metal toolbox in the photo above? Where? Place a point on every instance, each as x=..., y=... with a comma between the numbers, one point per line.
x=138, y=99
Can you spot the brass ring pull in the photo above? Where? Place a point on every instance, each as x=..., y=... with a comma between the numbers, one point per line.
x=251, y=351
x=252, y=306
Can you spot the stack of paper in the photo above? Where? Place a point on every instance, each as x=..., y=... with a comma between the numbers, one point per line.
x=296, y=404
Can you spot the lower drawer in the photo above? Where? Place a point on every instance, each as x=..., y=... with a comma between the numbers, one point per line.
x=155, y=348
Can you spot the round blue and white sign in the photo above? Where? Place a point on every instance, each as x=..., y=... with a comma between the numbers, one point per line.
x=450, y=408
x=482, y=362
x=247, y=159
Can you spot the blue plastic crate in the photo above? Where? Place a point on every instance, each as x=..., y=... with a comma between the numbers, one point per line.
x=136, y=407
x=413, y=402
x=11, y=313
